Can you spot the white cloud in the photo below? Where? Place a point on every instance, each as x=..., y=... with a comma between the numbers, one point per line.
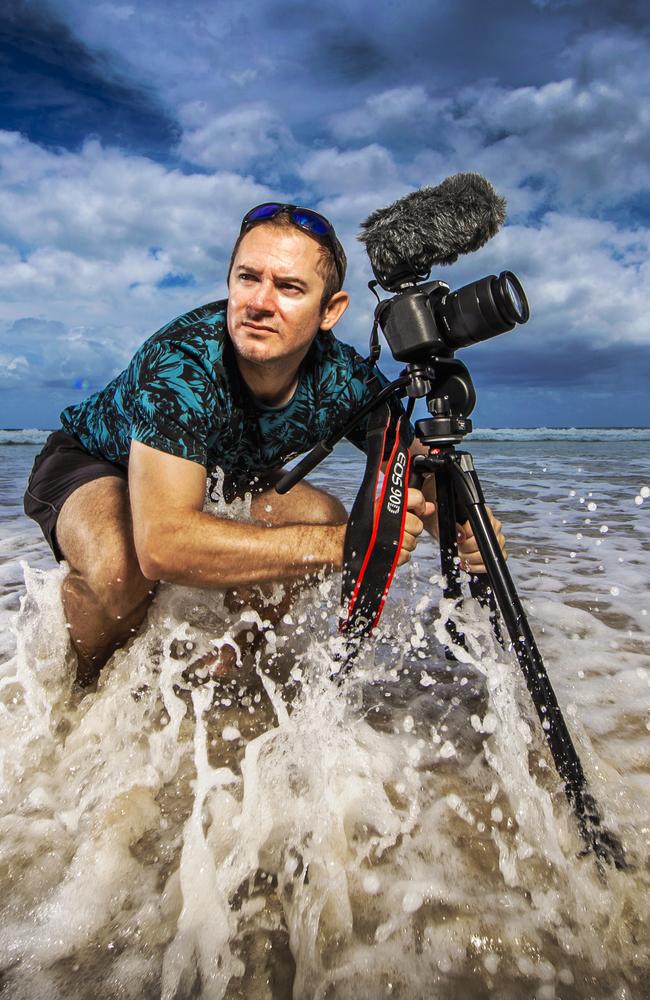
x=244, y=135
x=54, y=355
x=581, y=140
x=100, y=200
x=13, y=369
x=389, y=110
x=370, y=170
x=95, y=231
x=587, y=280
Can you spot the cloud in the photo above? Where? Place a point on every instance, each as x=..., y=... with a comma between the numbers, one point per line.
x=50, y=355
x=393, y=113
x=588, y=134
x=334, y=171
x=247, y=135
x=99, y=230
x=101, y=199
x=53, y=86
x=176, y=118
x=587, y=279
x=581, y=140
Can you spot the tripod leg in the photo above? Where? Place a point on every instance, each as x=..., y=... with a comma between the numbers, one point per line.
x=446, y=505
x=606, y=847
x=451, y=510
x=449, y=562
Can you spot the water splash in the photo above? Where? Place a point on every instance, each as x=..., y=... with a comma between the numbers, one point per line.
x=273, y=834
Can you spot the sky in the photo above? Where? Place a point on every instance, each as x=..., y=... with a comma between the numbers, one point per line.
x=134, y=137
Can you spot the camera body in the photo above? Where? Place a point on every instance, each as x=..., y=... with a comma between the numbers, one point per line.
x=428, y=320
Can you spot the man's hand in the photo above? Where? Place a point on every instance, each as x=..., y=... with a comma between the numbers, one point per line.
x=470, y=557
x=420, y=510
x=417, y=508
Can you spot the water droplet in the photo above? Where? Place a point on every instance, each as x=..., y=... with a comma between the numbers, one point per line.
x=489, y=723
x=412, y=901
x=491, y=962
x=371, y=884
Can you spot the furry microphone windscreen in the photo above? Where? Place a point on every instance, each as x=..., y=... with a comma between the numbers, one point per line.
x=434, y=225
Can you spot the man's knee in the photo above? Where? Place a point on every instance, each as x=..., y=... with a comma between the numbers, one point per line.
x=115, y=582
x=119, y=584
x=303, y=504
x=327, y=508
x=95, y=534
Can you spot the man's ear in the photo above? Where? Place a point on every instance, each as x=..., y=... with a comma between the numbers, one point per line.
x=334, y=310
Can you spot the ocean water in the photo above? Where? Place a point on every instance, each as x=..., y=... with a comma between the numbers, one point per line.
x=403, y=834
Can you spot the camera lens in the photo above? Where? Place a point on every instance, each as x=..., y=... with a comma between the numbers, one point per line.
x=481, y=310
x=514, y=303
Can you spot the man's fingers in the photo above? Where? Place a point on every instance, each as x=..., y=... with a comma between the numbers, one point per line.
x=468, y=550
x=413, y=525
x=416, y=503
x=417, y=508
x=409, y=541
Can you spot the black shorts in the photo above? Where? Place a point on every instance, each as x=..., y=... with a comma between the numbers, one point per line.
x=61, y=468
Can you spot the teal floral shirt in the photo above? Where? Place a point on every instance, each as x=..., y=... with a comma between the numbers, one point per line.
x=182, y=394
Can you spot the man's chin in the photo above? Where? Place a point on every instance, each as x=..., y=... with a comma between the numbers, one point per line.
x=256, y=353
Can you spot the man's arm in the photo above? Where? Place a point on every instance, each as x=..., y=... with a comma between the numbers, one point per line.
x=177, y=541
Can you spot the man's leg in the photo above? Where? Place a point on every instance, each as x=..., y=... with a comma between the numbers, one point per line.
x=105, y=595
x=304, y=504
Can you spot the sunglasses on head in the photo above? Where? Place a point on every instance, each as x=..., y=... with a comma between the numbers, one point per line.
x=304, y=218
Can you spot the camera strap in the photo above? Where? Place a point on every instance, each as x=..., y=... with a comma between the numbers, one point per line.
x=376, y=527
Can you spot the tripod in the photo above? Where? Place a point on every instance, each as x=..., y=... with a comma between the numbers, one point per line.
x=450, y=397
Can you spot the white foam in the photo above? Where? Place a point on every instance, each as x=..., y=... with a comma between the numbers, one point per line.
x=603, y=434
x=23, y=436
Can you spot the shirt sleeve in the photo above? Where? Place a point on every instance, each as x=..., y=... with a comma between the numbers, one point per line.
x=176, y=406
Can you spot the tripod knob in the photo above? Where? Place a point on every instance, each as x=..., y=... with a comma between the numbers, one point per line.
x=442, y=429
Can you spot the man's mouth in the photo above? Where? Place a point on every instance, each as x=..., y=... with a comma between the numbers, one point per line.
x=258, y=326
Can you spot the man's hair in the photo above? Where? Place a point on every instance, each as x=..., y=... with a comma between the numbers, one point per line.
x=327, y=262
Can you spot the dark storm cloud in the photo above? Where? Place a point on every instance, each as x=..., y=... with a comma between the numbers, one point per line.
x=354, y=59
x=631, y=13
x=53, y=90
x=562, y=364
x=445, y=44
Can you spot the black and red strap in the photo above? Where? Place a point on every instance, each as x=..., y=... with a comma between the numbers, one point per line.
x=375, y=527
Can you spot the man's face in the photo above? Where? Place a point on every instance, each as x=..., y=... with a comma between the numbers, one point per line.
x=275, y=291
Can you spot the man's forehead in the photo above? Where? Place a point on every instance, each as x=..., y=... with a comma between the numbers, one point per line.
x=279, y=248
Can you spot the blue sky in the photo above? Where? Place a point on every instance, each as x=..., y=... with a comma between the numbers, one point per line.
x=134, y=136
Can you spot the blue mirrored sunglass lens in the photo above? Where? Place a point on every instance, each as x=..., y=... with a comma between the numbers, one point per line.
x=308, y=220
x=263, y=212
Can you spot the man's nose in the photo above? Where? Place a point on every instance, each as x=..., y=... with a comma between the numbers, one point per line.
x=263, y=297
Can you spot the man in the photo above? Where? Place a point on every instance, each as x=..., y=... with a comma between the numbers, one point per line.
x=244, y=385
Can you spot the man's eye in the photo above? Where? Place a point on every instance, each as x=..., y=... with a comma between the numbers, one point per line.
x=245, y=276
x=287, y=286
